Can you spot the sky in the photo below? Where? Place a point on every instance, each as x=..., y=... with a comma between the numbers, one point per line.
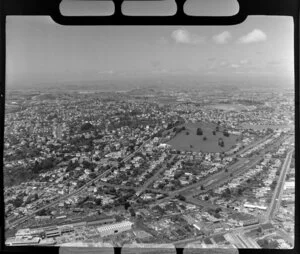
x=39, y=50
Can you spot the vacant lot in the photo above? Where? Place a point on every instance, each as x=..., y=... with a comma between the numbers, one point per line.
x=195, y=143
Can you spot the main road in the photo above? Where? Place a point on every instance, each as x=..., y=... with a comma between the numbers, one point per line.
x=275, y=202
x=213, y=181
x=250, y=146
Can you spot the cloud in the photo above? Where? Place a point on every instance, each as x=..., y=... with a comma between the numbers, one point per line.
x=281, y=61
x=235, y=66
x=106, y=72
x=274, y=62
x=162, y=41
x=245, y=62
x=255, y=36
x=155, y=63
x=185, y=37
x=211, y=67
x=222, y=38
x=224, y=63
x=211, y=59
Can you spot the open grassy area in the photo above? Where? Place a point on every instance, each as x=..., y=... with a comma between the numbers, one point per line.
x=195, y=143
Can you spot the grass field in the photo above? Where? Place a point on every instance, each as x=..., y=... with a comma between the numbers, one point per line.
x=195, y=143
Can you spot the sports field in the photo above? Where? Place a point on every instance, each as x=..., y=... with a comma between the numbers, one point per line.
x=195, y=143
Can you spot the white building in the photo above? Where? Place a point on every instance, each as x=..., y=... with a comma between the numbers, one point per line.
x=114, y=228
x=247, y=205
x=163, y=145
x=289, y=185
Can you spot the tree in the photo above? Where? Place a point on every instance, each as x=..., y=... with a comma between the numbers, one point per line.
x=202, y=187
x=181, y=197
x=273, y=185
x=231, y=175
x=119, y=218
x=199, y=132
x=126, y=205
x=226, y=133
x=86, y=127
x=42, y=212
x=187, y=133
x=132, y=212
x=80, y=183
x=98, y=202
x=206, y=198
x=93, y=175
x=240, y=192
x=72, y=165
x=221, y=142
x=226, y=170
x=226, y=193
x=191, y=146
x=178, y=174
x=204, y=138
x=218, y=210
x=217, y=215
x=214, y=132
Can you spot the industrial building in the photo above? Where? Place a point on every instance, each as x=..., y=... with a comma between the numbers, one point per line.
x=65, y=229
x=22, y=242
x=53, y=233
x=101, y=221
x=23, y=232
x=250, y=222
x=114, y=228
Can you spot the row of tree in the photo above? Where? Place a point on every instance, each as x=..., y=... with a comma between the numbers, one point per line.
x=199, y=132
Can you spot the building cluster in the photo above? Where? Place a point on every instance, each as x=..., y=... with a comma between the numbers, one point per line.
x=109, y=154
x=51, y=235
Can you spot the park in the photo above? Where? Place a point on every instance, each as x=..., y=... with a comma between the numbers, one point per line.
x=209, y=139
